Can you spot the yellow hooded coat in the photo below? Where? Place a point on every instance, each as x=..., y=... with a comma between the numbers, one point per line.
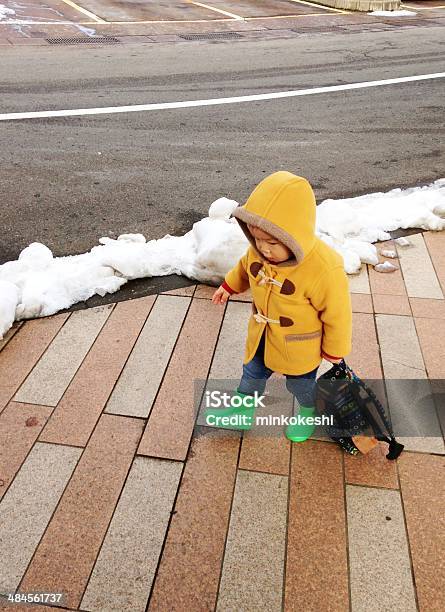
x=302, y=304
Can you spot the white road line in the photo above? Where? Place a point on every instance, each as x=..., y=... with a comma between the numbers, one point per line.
x=212, y=8
x=326, y=8
x=301, y=16
x=84, y=11
x=110, y=23
x=137, y=108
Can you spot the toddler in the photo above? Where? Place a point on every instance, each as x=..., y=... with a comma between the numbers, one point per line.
x=301, y=303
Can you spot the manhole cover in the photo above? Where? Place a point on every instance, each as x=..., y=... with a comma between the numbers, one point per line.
x=84, y=40
x=211, y=36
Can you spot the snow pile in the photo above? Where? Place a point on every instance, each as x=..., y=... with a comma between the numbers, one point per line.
x=351, y=225
x=38, y=284
x=392, y=13
x=5, y=12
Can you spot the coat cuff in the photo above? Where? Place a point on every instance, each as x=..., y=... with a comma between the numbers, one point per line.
x=323, y=354
x=227, y=288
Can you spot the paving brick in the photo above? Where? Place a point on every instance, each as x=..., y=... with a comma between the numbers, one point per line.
x=190, y=566
x=431, y=335
x=204, y=291
x=252, y=574
x=66, y=554
x=401, y=354
x=173, y=415
x=391, y=304
x=316, y=565
x=423, y=492
x=22, y=353
x=228, y=359
x=380, y=572
x=412, y=409
x=365, y=356
x=227, y=364
x=78, y=411
x=373, y=469
x=125, y=568
x=30, y=608
x=52, y=375
x=435, y=243
x=182, y=291
x=138, y=384
x=361, y=302
x=265, y=448
x=426, y=308
x=359, y=283
x=246, y=296
x=20, y=425
x=10, y=334
x=27, y=507
x=418, y=271
x=386, y=283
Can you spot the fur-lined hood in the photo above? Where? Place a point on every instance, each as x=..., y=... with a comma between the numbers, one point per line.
x=282, y=205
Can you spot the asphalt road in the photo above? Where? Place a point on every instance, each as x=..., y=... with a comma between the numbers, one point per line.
x=68, y=181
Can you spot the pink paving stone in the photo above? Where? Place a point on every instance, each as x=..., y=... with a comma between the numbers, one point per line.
x=22, y=353
x=246, y=296
x=268, y=454
x=20, y=425
x=30, y=608
x=365, y=357
x=190, y=565
x=268, y=449
x=316, y=566
x=431, y=334
x=10, y=334
x=172, y=417
x=66, y=554
x=373, y=469
x=422, y=482
x=182, y=291
x=435, y=243
x=361, y=302
x=204, y=291
x=79, y=409
x=428, y=308
x=391, y=304
x=386, y=283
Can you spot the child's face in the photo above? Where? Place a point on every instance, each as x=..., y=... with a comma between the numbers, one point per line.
x=269, y=246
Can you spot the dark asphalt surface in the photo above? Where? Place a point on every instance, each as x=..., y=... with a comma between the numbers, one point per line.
x=68, y=181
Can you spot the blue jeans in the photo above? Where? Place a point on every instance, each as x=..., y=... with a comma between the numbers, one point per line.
x=255, y=375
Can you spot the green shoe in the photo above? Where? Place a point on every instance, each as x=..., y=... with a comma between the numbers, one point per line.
x=300, y=432
x=233, y=417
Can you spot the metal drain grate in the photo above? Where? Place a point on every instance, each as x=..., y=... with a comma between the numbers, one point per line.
x=84, y=40
x=211, y=36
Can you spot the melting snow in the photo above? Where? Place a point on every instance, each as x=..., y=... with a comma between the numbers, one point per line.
x=38, y=284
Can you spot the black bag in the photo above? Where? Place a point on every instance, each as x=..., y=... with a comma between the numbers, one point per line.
x=353, y=409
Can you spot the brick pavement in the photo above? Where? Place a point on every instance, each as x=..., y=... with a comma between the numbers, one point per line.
x=111, y=494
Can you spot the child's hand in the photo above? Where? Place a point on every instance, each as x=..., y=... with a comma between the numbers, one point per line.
x=220, y=296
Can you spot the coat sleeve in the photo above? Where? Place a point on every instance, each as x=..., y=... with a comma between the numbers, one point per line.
x=237, y=278
x=332, y=299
